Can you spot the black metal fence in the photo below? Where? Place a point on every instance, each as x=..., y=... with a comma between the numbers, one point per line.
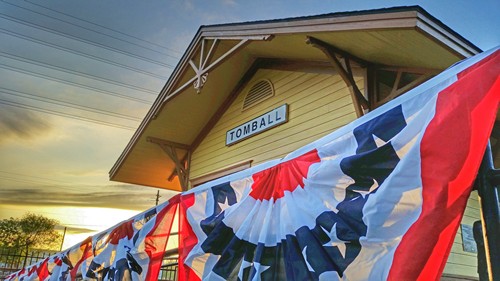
x=168, y=271
x=12, y=260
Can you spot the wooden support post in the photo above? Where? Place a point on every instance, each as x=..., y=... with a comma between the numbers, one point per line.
x=344, y=71
x=183, y=165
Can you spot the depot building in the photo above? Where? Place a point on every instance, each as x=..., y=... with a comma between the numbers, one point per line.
x=246, y=93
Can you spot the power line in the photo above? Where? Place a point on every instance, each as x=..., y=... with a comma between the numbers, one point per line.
x=90, y=42
x=68, y=104
x=78, y=73
x=76, y=84
x=79, y=53
x=62, y=114
x=89, y=29
x=22, y=180
x=105, y=27
x=24, y=175
x=36, y=182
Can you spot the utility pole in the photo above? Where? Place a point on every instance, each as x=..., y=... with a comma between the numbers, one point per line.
x=157, y=197
x=64, y=236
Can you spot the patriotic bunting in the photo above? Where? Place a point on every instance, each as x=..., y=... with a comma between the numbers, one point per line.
x=358, y=203
x=354, y=205
x=132, y=250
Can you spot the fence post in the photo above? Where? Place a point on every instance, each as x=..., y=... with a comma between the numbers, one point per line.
x=487, y=183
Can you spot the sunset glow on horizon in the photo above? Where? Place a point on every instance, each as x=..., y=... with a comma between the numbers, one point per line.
x=81, y=222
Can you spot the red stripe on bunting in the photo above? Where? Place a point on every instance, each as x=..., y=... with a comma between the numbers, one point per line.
x=287, y=176
x=156, y=240
x=43, y=270
x=86, y=250
x=124, y=230
x=451, y=151
x=187, y=239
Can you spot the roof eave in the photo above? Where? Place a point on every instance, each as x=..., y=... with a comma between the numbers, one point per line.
x=401, y=17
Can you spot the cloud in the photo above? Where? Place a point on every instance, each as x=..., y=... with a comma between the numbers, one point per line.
x=189, y=5
x=229, y=2
x=22, y=124
x=90, y=197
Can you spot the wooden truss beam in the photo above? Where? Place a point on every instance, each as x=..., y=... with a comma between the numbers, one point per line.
x=396, y=91
x=182, y=166
x=344, y=70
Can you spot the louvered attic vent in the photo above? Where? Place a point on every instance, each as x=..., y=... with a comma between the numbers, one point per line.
x=261, y=90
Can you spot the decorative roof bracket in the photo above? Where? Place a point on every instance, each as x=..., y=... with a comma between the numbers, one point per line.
x=344, y=70
x=201, y=74
x=182, y=167
x=201, y=70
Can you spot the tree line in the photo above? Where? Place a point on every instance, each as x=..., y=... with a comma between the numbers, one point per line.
x=29, y=232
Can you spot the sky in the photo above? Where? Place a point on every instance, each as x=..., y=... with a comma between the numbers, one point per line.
x=77, y=77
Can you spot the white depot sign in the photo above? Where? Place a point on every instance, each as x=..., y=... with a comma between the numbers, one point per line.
x=262, y=123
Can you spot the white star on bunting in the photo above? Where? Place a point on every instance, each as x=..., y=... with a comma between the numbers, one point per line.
x=224, y=205
x=334, y=241
x=259, y=268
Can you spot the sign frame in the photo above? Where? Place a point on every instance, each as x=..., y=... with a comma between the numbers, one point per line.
x=258, y=125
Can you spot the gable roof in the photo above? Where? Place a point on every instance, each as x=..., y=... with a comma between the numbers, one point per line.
x=219, y=56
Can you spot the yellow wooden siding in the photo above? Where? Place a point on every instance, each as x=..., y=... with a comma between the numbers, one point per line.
x=461, y=263
x=318, y=104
